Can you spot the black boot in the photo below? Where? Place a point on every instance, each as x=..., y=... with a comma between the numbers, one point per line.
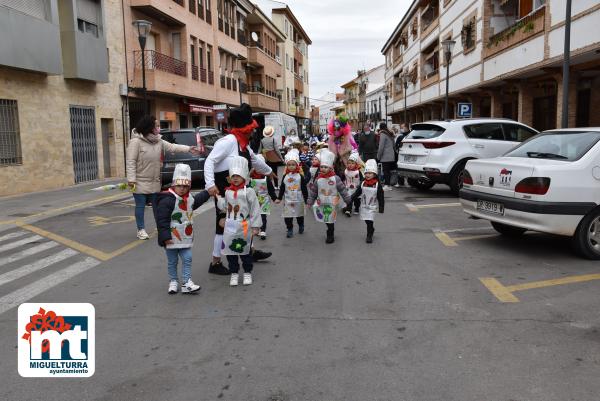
x=330, y=239
x=370, y=231
x=218, y=269
x=258, y=255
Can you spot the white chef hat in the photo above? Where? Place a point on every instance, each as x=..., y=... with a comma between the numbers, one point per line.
x=354, y=156
x=182, y=175
x=239, y=166
x=292, y=155
x=371, y=166
x=327, y=158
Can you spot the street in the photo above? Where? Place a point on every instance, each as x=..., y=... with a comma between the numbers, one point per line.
x=439, y=307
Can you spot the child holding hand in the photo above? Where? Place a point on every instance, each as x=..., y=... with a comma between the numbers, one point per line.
x=293, y=192
x=265, y=191
x=371, y=196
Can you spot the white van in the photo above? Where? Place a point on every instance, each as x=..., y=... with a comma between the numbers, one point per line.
x=283, y=124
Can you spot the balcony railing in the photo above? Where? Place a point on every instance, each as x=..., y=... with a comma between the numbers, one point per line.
x=211, y=77
x=520, y=30
x=161, y=62
x=241, y=37
x=203, y=74
x=194, y=72
x=223, y=81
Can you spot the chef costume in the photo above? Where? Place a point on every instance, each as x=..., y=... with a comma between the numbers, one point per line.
x=353, y=178
x=371, y=196
x=265, y=192
x=294, y=193
x=242, y=214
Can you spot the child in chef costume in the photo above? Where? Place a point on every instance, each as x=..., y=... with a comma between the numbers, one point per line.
x=293, y=192
x=370, y=193
x=242, y=220
x=265, y=191
x=324, y=198
x=353, y=177
x=174, y=220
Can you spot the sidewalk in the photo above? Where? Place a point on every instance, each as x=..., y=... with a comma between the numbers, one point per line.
x=32, y=207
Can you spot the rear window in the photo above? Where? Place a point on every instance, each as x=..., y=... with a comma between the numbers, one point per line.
x=425, y=131
x=209, y=137
x=489, y=131
x=567, y=145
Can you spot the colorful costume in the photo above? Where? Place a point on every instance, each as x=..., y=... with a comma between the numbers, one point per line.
x=340, y=142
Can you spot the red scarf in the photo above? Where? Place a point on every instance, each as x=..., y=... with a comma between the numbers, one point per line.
x=236, y=188
x=355, y=168
x=256, y=176
x=298, y=170
x=371, y=182
x=243, y=134
x=330, y=174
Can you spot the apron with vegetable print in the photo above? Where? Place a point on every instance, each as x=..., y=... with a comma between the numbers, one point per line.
x=262, y=193
x=369, y=204
x=328, y=199
x=237, y=235
x=293, y=201
x=182, y=218
x=352, y=180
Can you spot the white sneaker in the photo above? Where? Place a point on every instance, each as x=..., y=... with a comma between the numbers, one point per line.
x=262, y=235
x=142, y=234
x=387, y=188
x=247, y=279
x=234, y=279
x=355, y=212
x=397, y=186
x=173, y=287
x=189, y=287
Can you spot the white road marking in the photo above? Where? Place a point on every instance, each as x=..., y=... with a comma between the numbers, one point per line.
x=21, y=295
x=12, y=235
x=27, y=252
x=37, y=265
x=16, y=244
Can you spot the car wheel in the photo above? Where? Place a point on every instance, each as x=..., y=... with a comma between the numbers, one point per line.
x=456, y=177
x=420, y=184
x=509, y=231
x=586, y=240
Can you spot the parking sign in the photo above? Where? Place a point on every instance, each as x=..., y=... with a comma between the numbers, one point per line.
x=465, y=110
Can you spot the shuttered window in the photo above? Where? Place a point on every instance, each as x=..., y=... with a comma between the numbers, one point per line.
x=89, y=10
x=34, y=8
x=10, y=141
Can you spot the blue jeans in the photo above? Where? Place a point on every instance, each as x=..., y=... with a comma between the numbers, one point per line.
x=140, y=207
x=173, y=256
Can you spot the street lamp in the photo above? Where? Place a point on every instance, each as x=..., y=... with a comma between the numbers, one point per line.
x=239, y=74
x=405, y=78
x=566, y=67
x=143, y=29
x=447, y=46
x=386, y=95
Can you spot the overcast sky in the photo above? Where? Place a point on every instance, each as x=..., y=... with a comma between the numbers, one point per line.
x=347, y=35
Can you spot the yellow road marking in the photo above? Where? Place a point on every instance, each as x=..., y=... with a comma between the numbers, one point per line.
x=88, y=250
x=102, y=221
x=505, y=293
x=481, y=236
x=445, y=238
x=415, y=208
x=72, y=206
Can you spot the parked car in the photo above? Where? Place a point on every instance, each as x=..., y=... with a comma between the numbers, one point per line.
x=187, y=136
x=550, y=184
x=436, y=152
x=283, y=124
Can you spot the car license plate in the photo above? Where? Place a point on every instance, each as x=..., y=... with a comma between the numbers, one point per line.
x=490, y=207
x=410, y=159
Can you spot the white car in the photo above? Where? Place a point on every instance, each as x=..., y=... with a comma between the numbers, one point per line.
x=551, y=184
x=435, y=152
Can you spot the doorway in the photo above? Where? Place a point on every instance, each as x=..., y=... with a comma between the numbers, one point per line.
x=107, y=127
x=544, y=113
x=583, y=107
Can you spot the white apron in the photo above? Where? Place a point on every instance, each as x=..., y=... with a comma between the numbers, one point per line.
x=182, y=219
x=328, y=199
x=293, y=201
x=352, y=181
x=369, y=204
x=237, y=235
x=262, y=193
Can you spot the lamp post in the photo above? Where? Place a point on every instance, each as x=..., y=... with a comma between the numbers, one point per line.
x=566, y=67
x=448, y=46
x=386, y=95
x=239, y=74
x=143, y=29
x=405, y=78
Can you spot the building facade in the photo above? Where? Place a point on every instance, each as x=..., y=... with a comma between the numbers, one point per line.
x=327, y=105
x=356, y=90
x=506, y=62
x=61, y=113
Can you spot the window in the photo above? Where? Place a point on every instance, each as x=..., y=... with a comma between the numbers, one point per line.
x=431, y=61
x=567, y=146
x=87, y=27
x=200, y=8
x=192, y=6
x=430, y=14
x=89, y=16
x=201, y=54
x=425, y=131
x=517, y=133
x=10, y=138
x=468, y=34
x=491, y=131
x=209, y=58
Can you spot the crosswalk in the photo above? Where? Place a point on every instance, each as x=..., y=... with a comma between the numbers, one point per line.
x=35, y=264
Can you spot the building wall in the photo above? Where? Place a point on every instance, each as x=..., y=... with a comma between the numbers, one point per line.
x=43, y=109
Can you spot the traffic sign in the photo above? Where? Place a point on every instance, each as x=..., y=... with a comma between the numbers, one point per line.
x=465, y=110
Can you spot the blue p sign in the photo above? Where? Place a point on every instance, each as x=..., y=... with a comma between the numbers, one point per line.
x=465, y=110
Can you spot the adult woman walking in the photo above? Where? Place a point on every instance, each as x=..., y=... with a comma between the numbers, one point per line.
x=143, y=166
x=270, y=150
x=386, y=155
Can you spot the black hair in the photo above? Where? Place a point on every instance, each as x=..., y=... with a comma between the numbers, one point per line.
x=146, y=125
x=383, y=126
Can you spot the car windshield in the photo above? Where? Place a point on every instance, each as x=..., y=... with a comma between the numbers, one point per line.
x=425, y=131
x=557, y=145
x=209, y=137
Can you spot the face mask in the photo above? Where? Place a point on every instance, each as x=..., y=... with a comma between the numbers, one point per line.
x=156, y=130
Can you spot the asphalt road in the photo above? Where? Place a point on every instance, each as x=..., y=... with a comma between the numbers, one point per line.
x=406, y=318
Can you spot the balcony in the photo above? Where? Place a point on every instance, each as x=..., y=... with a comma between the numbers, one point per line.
x=202, y=74
x=430, y=18
x=523, y=29
x=298, y=55
x=261, y=99
x=298, y=83
x=170, y=13
x=157, y=61
x=257, y=57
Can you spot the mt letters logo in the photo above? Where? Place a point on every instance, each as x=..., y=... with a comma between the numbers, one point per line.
x=56, y=340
